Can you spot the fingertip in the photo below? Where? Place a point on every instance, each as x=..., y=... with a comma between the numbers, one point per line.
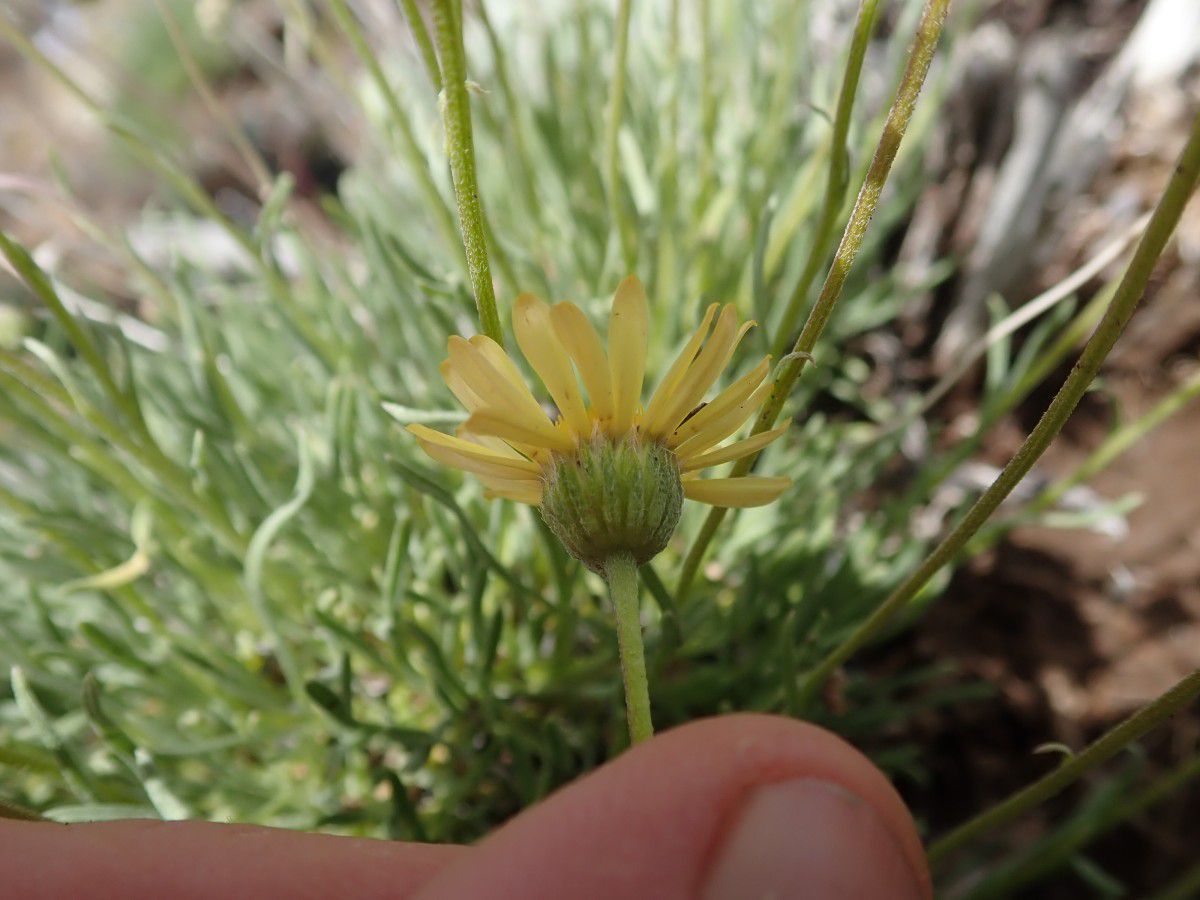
x=136, y=859
x=781, y=751
x=812, y=838
x=658, y=820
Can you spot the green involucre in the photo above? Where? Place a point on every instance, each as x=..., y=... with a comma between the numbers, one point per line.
x=612, y=498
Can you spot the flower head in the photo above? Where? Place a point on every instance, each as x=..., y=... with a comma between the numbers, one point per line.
x=605, y=449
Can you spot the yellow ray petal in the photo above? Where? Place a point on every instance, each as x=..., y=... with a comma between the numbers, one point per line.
x=500, y=360
x=723, y=426
x=705, y=370
x=670, y=383
x=582, y=342
x=522, y=491
x=472, y=402
x=504, y=448
x=500, y=393
x=468, y=361
x=627, y=327
x=541, y=346
x=461, y=445
x=498, y=424
x=739, y=493
x=532, y=496
x=459, y=388
x=721, y=404
x=473, y=464
x=733, y=451
x=463, y=454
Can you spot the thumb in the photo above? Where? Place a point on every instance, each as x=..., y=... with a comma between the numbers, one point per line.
x=745, y=806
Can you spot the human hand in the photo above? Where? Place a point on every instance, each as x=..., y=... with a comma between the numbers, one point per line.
x=744, y=806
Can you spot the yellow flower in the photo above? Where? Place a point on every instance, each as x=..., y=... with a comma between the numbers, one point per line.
x=513, y=446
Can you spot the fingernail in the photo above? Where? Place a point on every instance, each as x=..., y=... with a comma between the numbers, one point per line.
x=813, y=839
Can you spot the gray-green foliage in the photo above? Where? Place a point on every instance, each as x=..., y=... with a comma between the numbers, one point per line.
x=232, y=587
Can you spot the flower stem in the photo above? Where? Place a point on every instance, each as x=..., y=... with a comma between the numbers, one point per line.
x=1112, y=742
x=621, y=574
x=460, y=147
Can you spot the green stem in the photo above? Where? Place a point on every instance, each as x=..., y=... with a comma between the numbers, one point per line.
x=1030, y=866
x=1125, y=300
x=928, y=32
x=616, y=103
x=621, y=574
x=835, y=184
x=460, y=146
x=1047, y=361
x=1113, y=447
x=1119, y=442
x=1111, y=743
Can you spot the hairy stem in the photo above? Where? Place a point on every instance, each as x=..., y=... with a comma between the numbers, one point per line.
x=460, y=147
x=621, y=574
x=1111, y=743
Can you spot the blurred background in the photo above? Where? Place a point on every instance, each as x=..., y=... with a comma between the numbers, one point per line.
x=1058, y=125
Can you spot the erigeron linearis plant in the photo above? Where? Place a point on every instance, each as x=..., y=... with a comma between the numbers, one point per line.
x=306, y=525
x=1121, y=308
